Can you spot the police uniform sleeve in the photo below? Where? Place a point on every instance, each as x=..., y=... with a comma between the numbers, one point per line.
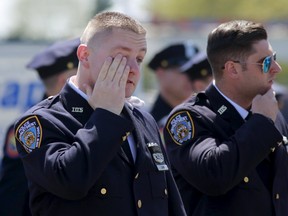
x=65, y=164
x=210, y=160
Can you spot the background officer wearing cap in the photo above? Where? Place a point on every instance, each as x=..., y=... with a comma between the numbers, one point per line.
x=54, y=65
x=199, y=72
x=174, y=85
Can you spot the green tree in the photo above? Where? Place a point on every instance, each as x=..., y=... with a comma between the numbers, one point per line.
x=261, y=10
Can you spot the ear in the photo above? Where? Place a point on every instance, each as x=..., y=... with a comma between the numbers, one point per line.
x=231, y=69
x=83, y=53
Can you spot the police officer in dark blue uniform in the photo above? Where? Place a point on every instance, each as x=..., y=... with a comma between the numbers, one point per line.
x=54, y=65
x=173, y=82
x=91, y=150
x=199, y=74
x=227, y=144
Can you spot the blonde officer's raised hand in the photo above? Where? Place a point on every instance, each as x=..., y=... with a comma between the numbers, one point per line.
x=109, y=89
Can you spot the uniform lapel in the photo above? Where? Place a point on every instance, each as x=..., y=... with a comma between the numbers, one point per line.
x=139, y=135
x=224, y=108
x=75, y=104
x=71, y=101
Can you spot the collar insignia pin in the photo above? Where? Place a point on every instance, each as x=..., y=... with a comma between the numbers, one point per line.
x=222, y=109
x=77, y=109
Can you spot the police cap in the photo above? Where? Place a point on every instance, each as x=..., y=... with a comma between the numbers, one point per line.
x=55, y=59
x=198, y=67
x=174, y=55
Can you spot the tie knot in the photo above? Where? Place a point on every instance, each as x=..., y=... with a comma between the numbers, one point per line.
x=249, y=115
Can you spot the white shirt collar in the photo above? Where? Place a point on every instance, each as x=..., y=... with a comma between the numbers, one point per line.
x=73, y=86
x=243, y=112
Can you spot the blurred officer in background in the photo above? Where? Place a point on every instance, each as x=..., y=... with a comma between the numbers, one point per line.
x=54, y=65
x=199, y=72
x=179, y=76
x=282, y=98
x=174, y=85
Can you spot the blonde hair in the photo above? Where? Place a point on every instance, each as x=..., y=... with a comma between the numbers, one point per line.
x=106, y=22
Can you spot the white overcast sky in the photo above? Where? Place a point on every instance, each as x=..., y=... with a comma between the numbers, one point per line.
x=9, y=14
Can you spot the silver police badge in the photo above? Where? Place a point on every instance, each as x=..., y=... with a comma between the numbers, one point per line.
x=157, y=156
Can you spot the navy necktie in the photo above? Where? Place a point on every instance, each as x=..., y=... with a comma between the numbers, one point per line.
x=249, y=115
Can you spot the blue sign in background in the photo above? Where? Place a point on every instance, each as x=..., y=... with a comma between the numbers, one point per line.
x=20, y=96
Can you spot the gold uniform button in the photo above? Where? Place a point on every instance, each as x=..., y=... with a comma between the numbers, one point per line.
x=139, y=203
x=136, y=176
x=166, y=192
x=103, y=191
x=272, y=149
x=246, y=179
x=277, y=196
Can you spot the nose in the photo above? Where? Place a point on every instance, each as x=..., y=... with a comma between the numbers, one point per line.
x=276, y=67
x=134, y=66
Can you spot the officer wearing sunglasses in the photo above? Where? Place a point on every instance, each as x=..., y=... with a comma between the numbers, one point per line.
x=227, y=144
x=265, y=63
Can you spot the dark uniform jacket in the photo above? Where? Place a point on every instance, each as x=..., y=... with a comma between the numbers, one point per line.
x=223, y=165
x=160, y=109
x=75, y=164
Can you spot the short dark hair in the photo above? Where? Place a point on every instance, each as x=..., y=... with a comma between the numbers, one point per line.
x=233, y=40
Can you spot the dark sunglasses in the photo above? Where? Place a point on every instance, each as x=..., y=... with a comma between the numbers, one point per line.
x=266, y=64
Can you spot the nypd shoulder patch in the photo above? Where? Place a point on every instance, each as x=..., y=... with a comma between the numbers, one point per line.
x=29, y=133
x=181, y=127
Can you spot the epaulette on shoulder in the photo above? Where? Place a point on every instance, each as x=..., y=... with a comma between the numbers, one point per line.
x=46, y=103
x=199, y=98
x=202, y=96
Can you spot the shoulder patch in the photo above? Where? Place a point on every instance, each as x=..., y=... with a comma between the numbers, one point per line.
x=181, y=127
x=10, y=145
x=29, y=133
